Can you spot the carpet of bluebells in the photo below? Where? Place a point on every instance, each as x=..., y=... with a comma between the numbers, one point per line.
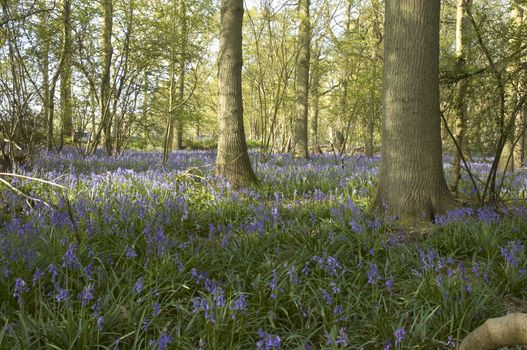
x=135, y=254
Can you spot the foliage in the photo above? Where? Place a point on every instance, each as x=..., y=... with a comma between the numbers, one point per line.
x=138, y=254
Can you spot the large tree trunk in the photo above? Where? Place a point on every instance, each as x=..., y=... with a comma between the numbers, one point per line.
x=412, y=185
x=302, y=82
x=460, y=103
x=65, y=75
x=106, y=115
x=232, y=162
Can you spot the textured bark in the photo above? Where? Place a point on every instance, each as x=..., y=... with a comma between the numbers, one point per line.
x=65, y=74
x=460, y=103
x=315, y=97
x=106, y=116
x=302, y=82
x=45, y=86
x=232, y=162
x=412, y=185
x=174, y=130
x=499, y=332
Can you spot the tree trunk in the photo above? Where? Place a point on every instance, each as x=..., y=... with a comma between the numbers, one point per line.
x=182, y=66
x=302, y=82
x=460, y=103
x=412, y=185
x=65, y=75
x=315, y=97
x=518, y=16
x=106, y=115
x=232, y=162
x=370, y=139
x=45, y=87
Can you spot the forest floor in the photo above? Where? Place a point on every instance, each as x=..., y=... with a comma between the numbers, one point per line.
x=134, y=254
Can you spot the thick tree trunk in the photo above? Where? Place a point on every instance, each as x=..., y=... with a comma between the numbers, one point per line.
x=232, y=162
x=302, y=82
x=412, y=185
x=106, y=115
x=460, y=103
x=65, y=75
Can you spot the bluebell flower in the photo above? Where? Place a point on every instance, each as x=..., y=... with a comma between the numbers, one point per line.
x=267, y=341
x=400, y=335
x=20, y=288
x=139, y=285
x=86, y=295
x=157, y=309
x=62, y=294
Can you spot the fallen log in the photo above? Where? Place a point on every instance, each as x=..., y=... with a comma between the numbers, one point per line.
x=509, y=330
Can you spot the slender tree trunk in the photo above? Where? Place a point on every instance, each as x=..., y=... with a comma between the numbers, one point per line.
x=373, y=113
x=315, y=97
x=106, y=115
x=460, y=103
x=518, y=17
x=65, y=75
x=182, y=67
x=412, y=185
x=233, y=161
x=302, y=82
x=45, y=86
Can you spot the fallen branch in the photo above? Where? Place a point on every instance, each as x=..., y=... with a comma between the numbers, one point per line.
x=498, y=332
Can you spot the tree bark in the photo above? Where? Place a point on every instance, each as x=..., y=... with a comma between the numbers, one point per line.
x=182, y=66
x=412, y=185
x=302, y=82
x=232, y=162
x=518, y=17
x=460, y=103
x=315, y=97
x=65, y=75
x=106, y=115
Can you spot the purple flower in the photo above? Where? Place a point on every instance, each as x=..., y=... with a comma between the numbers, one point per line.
x=157, y=309
x=163, y=342
x=139, y=285
x=100, y=323
x=400, y=335
x=86, y=295
x=340, y=339
x=267, y=341
x=20, y=287
x=327, y=296
x=513, y=252
x=130, y=253
x=389, y=284
x=373, y=274
x=61, y=295
x=37, y=276
x=240, y=303
x=68, y=259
